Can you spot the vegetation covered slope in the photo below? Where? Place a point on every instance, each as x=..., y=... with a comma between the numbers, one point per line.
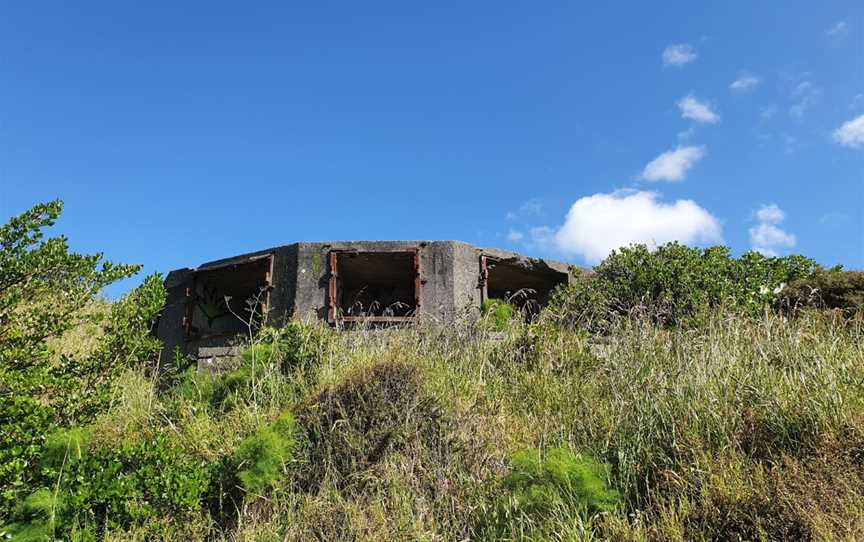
x=619, y=415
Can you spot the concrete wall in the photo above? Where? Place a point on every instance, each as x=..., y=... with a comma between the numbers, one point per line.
x=313, y=273
x=170, y=330
x=450, y=285
x=466, y=279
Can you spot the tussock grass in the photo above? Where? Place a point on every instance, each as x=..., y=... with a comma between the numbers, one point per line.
x=740, y=428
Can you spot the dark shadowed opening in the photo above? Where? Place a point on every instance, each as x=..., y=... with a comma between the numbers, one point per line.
x=376, y=284
x=521, y=284
x=226, y=297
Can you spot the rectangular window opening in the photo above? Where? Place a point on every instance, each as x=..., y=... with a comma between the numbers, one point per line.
x=374, y=286
x=526, y=287
x=225, y=300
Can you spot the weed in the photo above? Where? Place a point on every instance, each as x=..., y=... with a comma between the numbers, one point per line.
x=262, y=455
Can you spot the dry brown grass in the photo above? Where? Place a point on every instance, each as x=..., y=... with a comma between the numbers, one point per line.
x=738, y=430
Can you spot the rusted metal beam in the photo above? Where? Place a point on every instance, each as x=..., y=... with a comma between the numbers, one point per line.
x=484, y=278
x=418, y=283
x=331, y=287
x=374, y=319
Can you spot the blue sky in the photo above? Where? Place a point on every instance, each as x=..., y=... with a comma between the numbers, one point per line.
x=182, y=132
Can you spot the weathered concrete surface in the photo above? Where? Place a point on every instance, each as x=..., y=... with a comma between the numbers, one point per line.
x=451, y=286
x=170, y=329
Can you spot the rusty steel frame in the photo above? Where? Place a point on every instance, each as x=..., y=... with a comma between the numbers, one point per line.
x=186, y=323
x=332, y=313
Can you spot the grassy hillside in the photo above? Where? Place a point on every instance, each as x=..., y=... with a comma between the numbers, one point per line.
x=673, y=395
x=751, y=429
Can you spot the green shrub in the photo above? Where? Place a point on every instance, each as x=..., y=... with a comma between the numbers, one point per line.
x=36, y=518
x=585, y=303
x=294, y=345
x=36, y=531
x=64, y=446
x=45, y=290
x=263, y=454
x=676, y=284
x=23, y=423
x=41, y=505
x=543, y=493
x=275, y=352
x=497, y=313
x=579, y=482
x=117, y=487
x=137, y=481
x=196, y=387
x=231, y=386
x=832, y=289
x=259, y=354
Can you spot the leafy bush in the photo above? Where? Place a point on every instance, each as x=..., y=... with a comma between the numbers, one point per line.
x=116, y=487
x=676, y=284
x=213, y=392
x=23, y=422
x=585, y=303
x=262, y=455
x=832, y=289
x=44, y=292
x=37, y=518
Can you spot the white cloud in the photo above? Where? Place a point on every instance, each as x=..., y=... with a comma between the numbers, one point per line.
x=840, y=29
x=801, y=88
x=692, y=108
x=531, y=207
x=515, y=236
x=542, y=237
x=673, y=165
x=679, y=54
x=745, y=82
x=767, y=237
x=770, y=213
x=851, y=133
x=805, y=95
x=598, y=224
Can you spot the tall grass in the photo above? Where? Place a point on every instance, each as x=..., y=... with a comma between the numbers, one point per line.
x=742, y=428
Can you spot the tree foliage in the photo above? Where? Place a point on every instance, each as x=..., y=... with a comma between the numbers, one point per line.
x=675, y=283
x=832, y=289
x=44, y=291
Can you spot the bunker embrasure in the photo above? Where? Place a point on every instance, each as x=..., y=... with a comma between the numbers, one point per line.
x=344, y=283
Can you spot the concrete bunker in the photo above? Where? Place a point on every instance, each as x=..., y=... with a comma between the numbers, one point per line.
x=344, y=283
